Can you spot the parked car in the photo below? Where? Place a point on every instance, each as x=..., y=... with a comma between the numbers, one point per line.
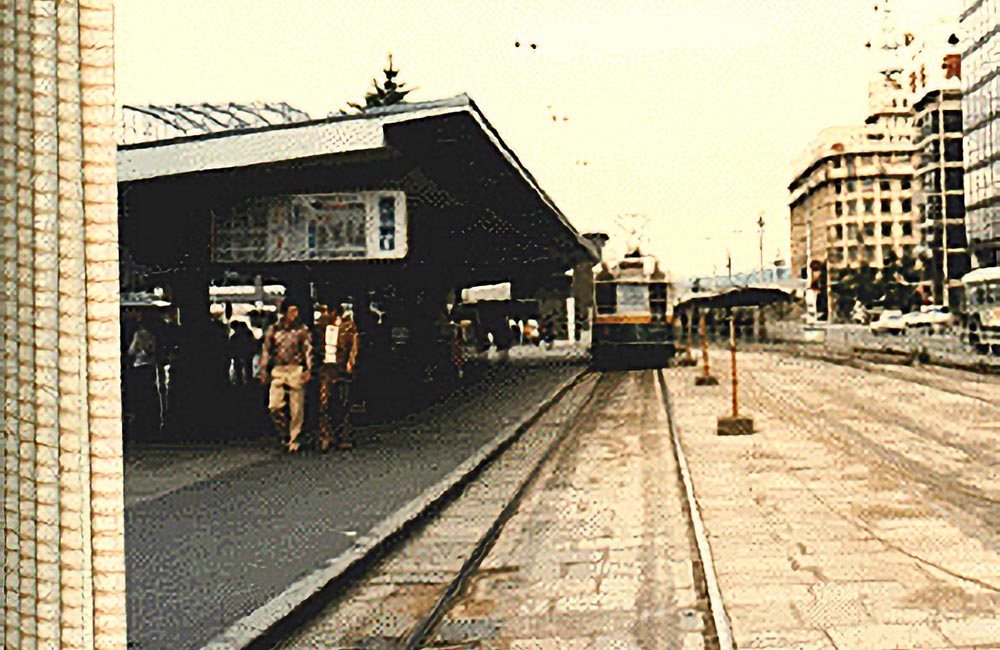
x=932, y=317
x=890, y=320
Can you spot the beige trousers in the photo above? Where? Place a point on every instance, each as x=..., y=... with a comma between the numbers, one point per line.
x=287, y=378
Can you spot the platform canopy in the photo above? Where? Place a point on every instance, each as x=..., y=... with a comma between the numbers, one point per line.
x=736, y=297
x=471, y=207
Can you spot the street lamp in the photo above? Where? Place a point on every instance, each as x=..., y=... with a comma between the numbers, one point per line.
x=760, y=226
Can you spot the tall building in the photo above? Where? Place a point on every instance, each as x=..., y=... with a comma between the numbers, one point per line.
x=934, y=79
x=981, y=119
x=851, y=199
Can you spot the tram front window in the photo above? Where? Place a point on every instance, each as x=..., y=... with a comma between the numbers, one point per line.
x=607, y=302
x=633, y=298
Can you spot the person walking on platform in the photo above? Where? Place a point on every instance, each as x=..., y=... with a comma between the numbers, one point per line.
x=286, y=358
x=242, y=348
x=337, y=344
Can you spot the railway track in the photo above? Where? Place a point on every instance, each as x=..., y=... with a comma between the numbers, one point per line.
x=398, y=598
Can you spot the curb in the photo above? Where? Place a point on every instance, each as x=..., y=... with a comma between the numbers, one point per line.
x=258, y=627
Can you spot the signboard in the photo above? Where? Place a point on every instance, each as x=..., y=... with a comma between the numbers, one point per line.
x=312, y=227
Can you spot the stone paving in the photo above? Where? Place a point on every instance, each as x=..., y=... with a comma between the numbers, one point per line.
x=597, y=554
x=821, y=538
x=392, y=600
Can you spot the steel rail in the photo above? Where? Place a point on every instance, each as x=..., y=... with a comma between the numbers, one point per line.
x=423, y=631
x=716, y=604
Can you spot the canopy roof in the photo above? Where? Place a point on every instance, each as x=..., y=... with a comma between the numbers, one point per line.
x=422, y=148
x=736, y=297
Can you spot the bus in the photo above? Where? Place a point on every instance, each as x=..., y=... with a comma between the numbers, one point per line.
x=982, y=308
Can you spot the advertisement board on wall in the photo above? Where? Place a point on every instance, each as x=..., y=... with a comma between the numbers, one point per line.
x=312, y=227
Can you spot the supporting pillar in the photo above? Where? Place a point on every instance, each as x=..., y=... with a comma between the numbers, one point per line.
x=63, y=512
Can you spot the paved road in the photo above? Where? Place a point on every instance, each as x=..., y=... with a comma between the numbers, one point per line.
x=201, y=557
x=862, y=514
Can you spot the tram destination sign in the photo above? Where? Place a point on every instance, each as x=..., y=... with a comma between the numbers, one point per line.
x=312, y=227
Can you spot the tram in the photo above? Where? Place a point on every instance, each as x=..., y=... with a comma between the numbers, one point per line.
x=633, y=316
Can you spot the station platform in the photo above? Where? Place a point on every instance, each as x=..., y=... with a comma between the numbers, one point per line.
x=212, y=532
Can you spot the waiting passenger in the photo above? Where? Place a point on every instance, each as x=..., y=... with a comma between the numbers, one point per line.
x=143, y=407
x=242, y=348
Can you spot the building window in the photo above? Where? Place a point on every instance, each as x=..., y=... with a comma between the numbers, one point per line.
x=953, y=121
x=907, y=228
x=886, y=253
x=851, y=186
x=868, y=253
x=884, y=186
x=905, y=185
x=869, y=230
x=839, y=230
x=887, y=229
x=852, y=208
x=953, y=178
x=852, y=231
x=953, y=151
x=886, y=206
x=955, y=205
x=836, y=162
x=852, y=254
x=839, y=208
x=907, y=206
x=869, y=206
x=933, y=182
x=838, y=187
x=866, y=184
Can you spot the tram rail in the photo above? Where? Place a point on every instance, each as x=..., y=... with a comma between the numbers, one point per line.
x=518, y=464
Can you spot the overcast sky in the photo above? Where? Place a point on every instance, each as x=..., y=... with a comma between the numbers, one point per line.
x=688, y=111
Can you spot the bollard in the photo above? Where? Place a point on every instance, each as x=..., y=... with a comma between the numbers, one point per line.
x=705, y=378
x=734, y=425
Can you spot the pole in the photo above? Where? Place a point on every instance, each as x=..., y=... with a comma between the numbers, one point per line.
x=945, y=281
x=704, y=346
x=705, y=378
x=732, y=355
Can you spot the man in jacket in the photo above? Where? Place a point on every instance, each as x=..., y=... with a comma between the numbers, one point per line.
x=287, y=356
x=336, y=338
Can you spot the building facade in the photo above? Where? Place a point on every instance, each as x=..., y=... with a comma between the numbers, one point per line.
x=851, y=199
x=980, y=23
x=935, y=83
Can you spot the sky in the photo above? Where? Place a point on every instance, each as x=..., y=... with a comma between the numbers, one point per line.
x=688, y=112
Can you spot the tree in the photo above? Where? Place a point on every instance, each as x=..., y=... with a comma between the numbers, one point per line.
x=389, y=93
x=894, y=286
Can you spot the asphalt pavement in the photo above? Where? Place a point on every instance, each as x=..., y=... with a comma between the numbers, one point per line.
x=205, y=547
